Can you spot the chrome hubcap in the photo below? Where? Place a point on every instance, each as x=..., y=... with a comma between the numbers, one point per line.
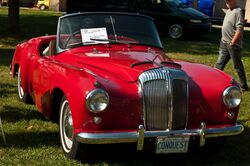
x=175, y=31
x=66, y=127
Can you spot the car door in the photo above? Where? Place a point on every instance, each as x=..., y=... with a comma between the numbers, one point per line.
x=41, y=71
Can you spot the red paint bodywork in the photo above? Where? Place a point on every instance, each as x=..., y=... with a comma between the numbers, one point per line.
x=75, y=71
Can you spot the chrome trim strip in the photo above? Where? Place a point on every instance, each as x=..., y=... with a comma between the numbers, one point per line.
x=187, y=103
x=170, y=99
x=107, y=138
x=133, y=137
x=141, y=94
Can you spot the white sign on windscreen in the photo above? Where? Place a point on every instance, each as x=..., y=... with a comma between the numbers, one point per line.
x=94, y=35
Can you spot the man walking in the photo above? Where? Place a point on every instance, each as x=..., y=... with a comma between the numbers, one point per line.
x=232, y=40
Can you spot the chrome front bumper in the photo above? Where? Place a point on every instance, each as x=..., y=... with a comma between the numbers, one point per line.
x=132, y=137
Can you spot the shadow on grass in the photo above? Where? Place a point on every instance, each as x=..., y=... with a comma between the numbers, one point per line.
x=26, y=139
x=15, y=114
x=127, y=155
x=6, y=56
x=7, y=90
x=31, y=139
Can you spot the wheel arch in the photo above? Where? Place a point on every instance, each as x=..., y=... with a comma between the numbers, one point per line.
x=56, y=98
x=15, y=69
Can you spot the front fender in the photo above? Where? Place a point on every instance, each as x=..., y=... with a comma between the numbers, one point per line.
x=75, y=84
x=206, y=86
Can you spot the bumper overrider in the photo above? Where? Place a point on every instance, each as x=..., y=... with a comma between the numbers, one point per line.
x=132, y=137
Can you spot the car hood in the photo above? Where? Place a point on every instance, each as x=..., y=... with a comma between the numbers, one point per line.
x=193, y=13
x=118, y=63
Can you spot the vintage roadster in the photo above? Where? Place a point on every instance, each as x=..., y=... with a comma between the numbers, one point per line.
x=106, y=78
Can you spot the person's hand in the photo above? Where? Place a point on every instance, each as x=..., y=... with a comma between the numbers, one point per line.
x=231, y=44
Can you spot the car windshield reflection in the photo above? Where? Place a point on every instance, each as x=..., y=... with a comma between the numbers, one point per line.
x=89, y=29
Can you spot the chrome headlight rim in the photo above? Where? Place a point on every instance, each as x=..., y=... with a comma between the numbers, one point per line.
x=228, y=93
x=92, y=94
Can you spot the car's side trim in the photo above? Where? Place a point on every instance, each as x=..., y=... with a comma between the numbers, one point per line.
x=139, y=136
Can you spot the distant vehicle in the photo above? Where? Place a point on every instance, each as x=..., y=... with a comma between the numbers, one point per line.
x=43, y=4
x=205, y=6
x=22, y=3
x=3, y=2
x=172, y=17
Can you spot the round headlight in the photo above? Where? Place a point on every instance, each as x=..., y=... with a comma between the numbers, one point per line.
x=97, y=100
x=232, y=97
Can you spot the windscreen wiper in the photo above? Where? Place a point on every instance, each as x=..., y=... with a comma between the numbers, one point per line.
x=115, y=41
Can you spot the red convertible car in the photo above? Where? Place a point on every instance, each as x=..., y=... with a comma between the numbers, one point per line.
x=107, y=80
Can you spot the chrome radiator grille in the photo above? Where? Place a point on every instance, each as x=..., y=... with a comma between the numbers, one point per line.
x=165, y=94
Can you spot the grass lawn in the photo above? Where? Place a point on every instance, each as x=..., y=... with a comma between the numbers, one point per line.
x=32, y=140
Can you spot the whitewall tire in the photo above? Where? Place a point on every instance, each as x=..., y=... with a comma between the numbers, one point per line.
x=69, y=145
x=23, y=96
x=19, y=85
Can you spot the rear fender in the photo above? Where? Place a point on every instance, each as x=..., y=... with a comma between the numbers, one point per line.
x=21, y=59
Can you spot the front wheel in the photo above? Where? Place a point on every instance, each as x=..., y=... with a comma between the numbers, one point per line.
x=69, y=145
x=176, y=31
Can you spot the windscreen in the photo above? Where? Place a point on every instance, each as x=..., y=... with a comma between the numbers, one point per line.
x=88, y=29
x=176, y=3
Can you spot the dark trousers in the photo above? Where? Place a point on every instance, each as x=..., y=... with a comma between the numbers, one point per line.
x=228, y=52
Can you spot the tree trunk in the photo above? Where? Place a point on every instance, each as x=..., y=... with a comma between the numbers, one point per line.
x=13, y=17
